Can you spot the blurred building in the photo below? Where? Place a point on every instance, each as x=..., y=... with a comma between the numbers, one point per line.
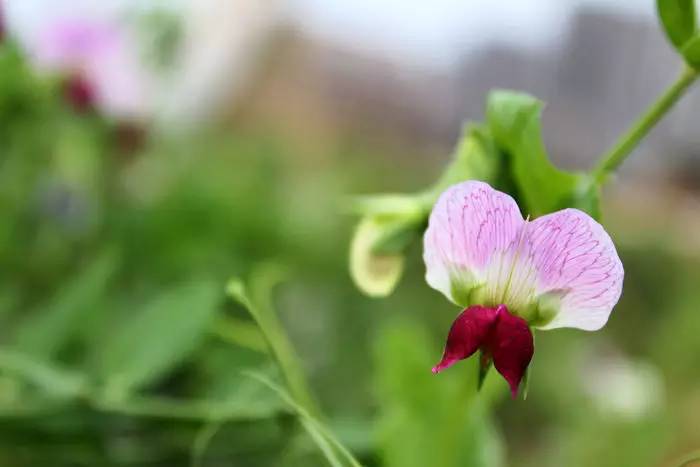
x=604, y=72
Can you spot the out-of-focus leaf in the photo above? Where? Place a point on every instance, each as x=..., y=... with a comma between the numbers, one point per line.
x=586, y=196
x=187, y=409
x=9, y=300
x=158, y=337
x=678, y=19
x=240, y=332
x=388, y=204
x=514, y=119
x=691, y=51
x=427, y=419
x=476, y=158
x=50, y=327
x=201, y=442
x=48, y=379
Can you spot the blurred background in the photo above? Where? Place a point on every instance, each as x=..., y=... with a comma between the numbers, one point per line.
x=151, y=150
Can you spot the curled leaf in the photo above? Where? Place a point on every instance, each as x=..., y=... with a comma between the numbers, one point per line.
x=375, y=273
x=393, y=222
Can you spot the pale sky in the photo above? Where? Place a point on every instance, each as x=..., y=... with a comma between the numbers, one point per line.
x=436, y=31
x=431, y=33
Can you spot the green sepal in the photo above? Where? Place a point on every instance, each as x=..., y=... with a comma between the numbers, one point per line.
x=485, y=364
x=526, y=378
x=691, y=51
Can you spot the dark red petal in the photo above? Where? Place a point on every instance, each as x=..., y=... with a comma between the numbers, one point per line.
x=468, y=332
x=511, y=346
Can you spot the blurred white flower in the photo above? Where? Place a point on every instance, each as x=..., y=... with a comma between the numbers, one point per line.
x=223, y=44
x=620, y=386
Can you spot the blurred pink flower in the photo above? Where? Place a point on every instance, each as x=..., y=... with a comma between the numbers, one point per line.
x=2, y=22
x=98, y=59
x=511, y=274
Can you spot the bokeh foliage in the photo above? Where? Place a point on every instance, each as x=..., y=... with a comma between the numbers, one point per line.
x=121, y=347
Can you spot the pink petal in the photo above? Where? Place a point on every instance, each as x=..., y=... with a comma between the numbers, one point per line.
x=121, y=85
x=468, y=333
x=69, y=43
x=511, y=347
x=103, y=54
x=578, y=269
x=470, y=224
x=2, y=22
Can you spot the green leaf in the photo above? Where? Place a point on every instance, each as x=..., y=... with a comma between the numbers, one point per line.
x=168, y=408
x=586, y=196
x=387, y=204
x=240, y=332
x=476, y=158
x=201, y=442
x=691, y=51
x=49, y=328
x=158, y=337
x=514, y=119
x=678, y=19
x=50, y=380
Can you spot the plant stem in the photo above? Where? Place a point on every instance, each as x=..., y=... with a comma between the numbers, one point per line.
x=312, y=422
x=281, y=349
x=175, y=409
x=689, y=459
x=612, y=159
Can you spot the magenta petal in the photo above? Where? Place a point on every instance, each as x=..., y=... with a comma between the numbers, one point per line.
x=468, y=332
x=511, y=346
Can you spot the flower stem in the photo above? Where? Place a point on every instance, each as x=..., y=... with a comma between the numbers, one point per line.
x=612, y=159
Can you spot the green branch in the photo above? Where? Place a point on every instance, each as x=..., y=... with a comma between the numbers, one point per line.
x=612, y=159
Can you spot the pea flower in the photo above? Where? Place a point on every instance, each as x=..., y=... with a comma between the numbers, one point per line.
x=512, y=274
x=99, y=60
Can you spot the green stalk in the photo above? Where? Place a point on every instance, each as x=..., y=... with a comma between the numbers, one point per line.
x=612, y=159
x=280, y=347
